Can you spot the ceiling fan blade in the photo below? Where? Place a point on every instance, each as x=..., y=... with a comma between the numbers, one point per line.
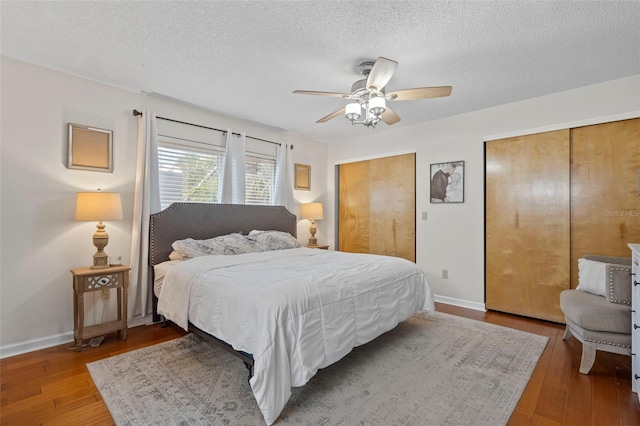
x=419, y=93
x=330, y=116
x=311, y=92
x=381, y=73
x=390, y=117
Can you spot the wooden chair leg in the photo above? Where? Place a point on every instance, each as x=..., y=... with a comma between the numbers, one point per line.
x=588, y=357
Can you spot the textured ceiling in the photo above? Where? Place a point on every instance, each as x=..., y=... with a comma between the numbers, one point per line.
x=244, y=58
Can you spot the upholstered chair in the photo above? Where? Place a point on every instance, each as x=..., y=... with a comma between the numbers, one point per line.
x=598, y=312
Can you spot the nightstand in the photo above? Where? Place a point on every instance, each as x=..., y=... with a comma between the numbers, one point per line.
x=319, y=247
x=87, y=280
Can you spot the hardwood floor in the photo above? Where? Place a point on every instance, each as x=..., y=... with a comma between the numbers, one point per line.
x=53, y=387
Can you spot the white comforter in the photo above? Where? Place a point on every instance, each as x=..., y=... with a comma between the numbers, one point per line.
x=295, y=310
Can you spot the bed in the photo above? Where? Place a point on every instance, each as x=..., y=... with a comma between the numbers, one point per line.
x=285, y=313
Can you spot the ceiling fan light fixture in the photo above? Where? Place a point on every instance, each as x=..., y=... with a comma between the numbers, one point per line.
x=369, y=96
x=377, y=105
x=352, y=111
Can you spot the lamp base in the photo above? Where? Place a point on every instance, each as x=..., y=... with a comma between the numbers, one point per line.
x=313, y=241
x=100, y=240
x=100, y=261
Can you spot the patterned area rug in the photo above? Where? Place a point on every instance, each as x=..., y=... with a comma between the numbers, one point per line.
x=429, y=370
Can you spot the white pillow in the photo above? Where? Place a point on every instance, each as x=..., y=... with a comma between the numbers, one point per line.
x=592, y=277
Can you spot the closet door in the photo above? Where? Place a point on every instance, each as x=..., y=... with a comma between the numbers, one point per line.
x=605, y=206
x=527, y=224
x=377, y=206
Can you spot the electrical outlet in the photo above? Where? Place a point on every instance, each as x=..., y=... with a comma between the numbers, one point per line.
x=445, y=273
x=105, y=293
x=424, y=215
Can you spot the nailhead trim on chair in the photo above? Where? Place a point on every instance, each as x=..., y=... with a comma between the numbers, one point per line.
x=624, y=302
x=607, y=343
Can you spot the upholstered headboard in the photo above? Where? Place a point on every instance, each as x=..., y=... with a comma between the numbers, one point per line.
x=201, y=221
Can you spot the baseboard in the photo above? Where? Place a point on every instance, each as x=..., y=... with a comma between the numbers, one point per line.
x=35, y=344
x=58, y=339
x=145, y=320
x=460, y=302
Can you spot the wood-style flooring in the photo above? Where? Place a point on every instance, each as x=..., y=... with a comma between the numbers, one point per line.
x=53, y=387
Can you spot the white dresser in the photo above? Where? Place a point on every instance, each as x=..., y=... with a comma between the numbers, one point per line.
x=635, y=318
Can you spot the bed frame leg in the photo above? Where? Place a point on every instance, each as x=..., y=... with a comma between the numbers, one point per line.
x=250, y=369
x=163, y=322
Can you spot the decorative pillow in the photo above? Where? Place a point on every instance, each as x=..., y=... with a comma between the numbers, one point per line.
x=592, y=277
x=174, y=255
x=273, y=240
x=619, y=284
x=223, y=245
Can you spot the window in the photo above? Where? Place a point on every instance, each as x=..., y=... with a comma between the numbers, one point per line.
x=192, y=172
x=260, y=179
x=188, y=172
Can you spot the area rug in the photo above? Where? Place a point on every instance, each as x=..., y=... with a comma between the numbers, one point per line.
x=430, y=370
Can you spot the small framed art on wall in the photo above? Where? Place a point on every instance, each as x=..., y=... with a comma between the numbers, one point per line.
x=302, y=177
x=90, y=148
x=447, y=182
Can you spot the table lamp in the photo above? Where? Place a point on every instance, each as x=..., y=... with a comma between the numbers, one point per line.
x=99, y=206
x=313, y=212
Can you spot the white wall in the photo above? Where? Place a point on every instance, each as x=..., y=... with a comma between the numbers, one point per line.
x=40, y=241
x=453, y=235
x=315, y=155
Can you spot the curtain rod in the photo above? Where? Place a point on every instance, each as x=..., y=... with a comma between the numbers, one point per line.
x=137, y=113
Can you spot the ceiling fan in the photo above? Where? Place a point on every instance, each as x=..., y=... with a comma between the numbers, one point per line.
x=369, y=96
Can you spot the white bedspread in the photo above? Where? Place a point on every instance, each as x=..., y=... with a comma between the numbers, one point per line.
x=295, y=310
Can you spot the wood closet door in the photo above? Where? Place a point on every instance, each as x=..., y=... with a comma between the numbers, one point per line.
x=605, y=207
x=377, y=206
x=527, y=224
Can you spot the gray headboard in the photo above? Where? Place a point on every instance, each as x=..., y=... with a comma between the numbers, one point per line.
x=201, y=221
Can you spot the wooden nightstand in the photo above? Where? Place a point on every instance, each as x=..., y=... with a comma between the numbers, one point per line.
x=319, y=247
x=86, y=280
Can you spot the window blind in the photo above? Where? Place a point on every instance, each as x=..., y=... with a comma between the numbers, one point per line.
x=260, y=179
x=189, y=173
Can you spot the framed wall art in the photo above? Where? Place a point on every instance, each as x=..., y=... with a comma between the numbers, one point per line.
x=302, y=177
x=90, y=148
x=447, y=182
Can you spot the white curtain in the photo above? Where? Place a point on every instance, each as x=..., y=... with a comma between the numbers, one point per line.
x=233, y=183
x=284, y=177
x=146, y=201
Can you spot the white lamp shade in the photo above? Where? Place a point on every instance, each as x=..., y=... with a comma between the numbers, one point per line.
x=352, y=111
x=377, y=105
x=98, y=206
x=312, y=211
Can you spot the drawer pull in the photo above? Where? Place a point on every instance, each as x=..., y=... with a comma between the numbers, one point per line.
x=636, y=376
x=636, y=283
x=636, y=326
